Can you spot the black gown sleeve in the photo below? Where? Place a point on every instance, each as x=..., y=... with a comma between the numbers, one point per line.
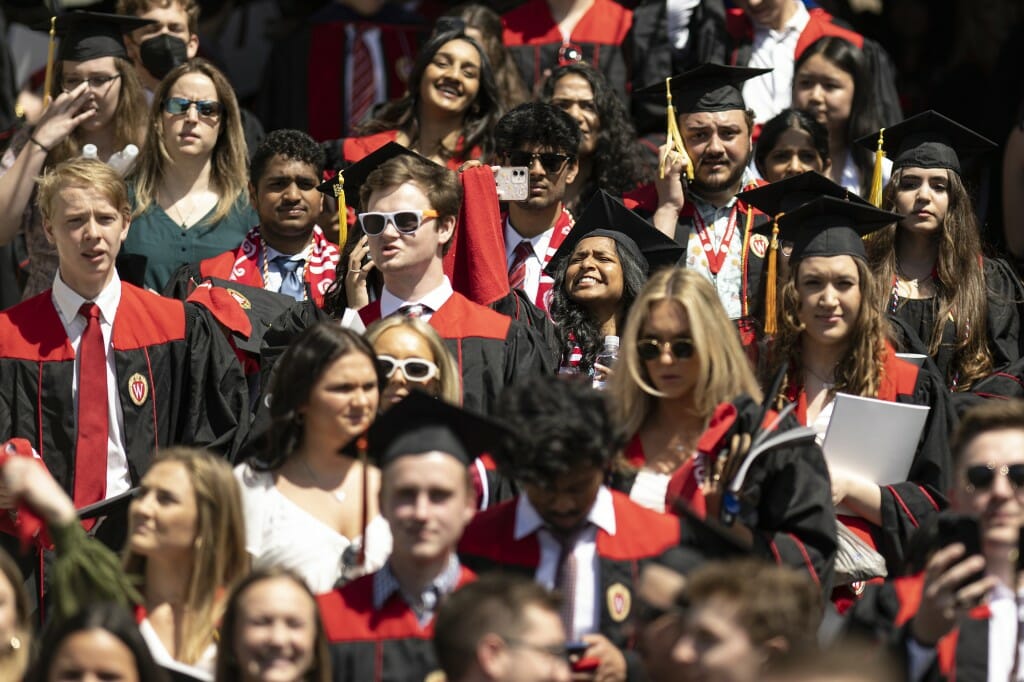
x=182, y=282
x=526, y=354
x=906, y=505
x=217, y=412
x=517, y=305
x=1005, y=303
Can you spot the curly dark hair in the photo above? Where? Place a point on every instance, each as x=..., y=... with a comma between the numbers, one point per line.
x=789, y=119
x=574, y=323
x=617, y=163
x=295, y=375
x=538, y=124
x=479, y=120
x=291, y=144
x=556, y=425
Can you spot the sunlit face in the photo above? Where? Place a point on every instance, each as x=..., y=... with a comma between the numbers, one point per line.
x=190, y=134
x=104, y=88
x=427, y=502
x=451, y=80
x=573, y=95
x=87, y=231
x=286, y=198
x=403, y=343
x=566, y=501
x=530, y=657
x=719, y=146
x=395, y=252
x=922, y=195
x=594, y=275
x=825, y=91
x=164, y=516
x=666, y=322
x=793, y=154
x=93, y=656
x=829, y=293
x=172, y=19
x=714, y=647
x=343, y=402
x=276, y=636
x=999, y=507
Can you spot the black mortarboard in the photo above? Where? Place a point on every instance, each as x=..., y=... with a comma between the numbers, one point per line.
x=606, y=216
x=709, y=87
x=420, y=424
x=91, y=35
x=790, y=193
x=929, y=140
x=828, y=226
x=353, y=177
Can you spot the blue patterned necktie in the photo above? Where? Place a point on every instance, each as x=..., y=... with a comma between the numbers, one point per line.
x=291, y=276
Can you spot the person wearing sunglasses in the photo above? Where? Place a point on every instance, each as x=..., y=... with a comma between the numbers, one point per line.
x=546, y=140
x=682, y=381
x=833, y=337
x=190, y=181
x=411, y=355
x=95, y=98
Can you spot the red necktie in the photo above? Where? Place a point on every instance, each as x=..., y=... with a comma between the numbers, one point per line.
x=93, y=412
x=364, y=91
x=517, y=273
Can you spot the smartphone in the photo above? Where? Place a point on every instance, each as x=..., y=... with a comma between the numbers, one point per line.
x=965, y=530
x=513, y=183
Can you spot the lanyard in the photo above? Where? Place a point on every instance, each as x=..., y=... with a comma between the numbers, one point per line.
x=716, y=258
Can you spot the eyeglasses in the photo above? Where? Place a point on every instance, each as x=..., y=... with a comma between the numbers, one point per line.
x=651, y=349
x=406, y=222
x=557, y=651
x=569, y=53
x=981, y=477
x=551, y=162
x=176, y=106
x=95, y=82
x=415, y=369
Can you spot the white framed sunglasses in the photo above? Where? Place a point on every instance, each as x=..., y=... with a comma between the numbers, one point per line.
x=414, y=369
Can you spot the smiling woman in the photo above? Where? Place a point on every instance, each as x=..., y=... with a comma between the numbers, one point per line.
x=189, y=188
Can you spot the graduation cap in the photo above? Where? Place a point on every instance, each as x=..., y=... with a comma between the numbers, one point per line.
x=349, y=181
x=707, y=88
x=421, y=423
x=775, y=199
x=606, y=216
x=828, y=226
x=91, y=35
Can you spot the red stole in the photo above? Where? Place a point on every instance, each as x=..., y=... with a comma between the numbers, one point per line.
x=563, y=226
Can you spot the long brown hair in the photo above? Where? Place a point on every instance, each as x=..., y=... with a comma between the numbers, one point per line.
x=229, y=160
x=129, y=116
x=959, y=281
x=219, y=558
x=861, y=369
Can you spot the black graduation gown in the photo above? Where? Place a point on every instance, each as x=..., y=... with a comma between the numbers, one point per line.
x=178, y=380
x=1002, y=323
x=491, y=350
x=368, y=645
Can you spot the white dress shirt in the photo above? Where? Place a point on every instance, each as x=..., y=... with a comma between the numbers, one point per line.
x=67, y=303
x=432, y=301
x=679, y=13
x=534, y=264
x=772, y=92
x=586, y=614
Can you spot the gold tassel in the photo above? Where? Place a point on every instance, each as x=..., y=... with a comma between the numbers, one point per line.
x=770, y=294
x=673, y=135
x=339, y=194
x=875, y=195
x=48, y=80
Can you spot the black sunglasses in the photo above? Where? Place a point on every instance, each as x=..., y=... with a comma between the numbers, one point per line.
x=176, y=106
x=982, y=476
x=650, y=349
x=551, y=162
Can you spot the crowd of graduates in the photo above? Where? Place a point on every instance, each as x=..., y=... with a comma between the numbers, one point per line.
x=518, y=346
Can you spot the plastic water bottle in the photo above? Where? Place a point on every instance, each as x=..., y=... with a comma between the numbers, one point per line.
x=122, y=161
x=89, y=152
x=606, y=357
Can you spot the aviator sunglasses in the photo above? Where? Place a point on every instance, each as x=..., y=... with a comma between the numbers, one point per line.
x=176, y=106
x=406, y=222
x=414, y=369
x=551, y=162
x=650, y=349
x=980, y=477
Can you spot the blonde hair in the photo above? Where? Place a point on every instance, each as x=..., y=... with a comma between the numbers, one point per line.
x=449, y=379
x=228, y=161
x=219, y=557
x=723, y=369
x=81, y=172
x=129, y=115
x=862, y=367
